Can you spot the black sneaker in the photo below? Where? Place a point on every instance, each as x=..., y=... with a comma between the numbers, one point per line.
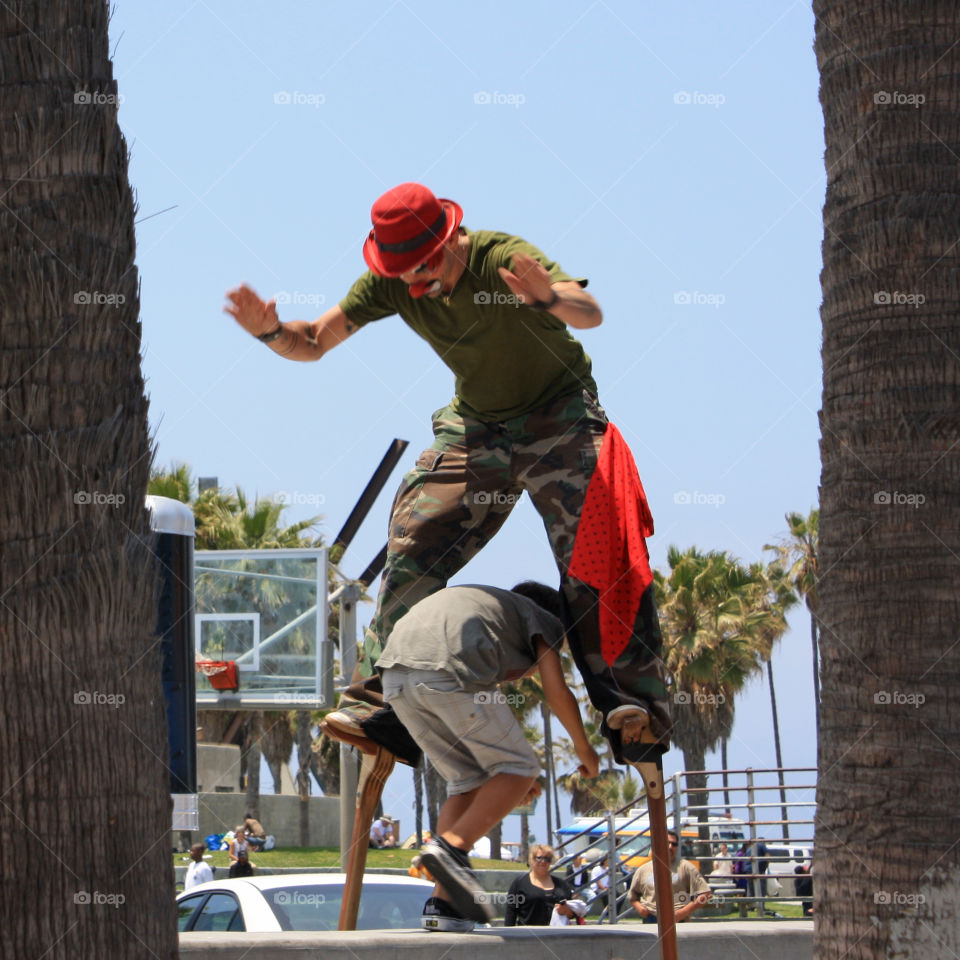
x=440, y=917
x=450, y=867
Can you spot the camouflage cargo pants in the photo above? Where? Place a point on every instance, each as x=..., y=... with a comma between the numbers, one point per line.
x=457, y=497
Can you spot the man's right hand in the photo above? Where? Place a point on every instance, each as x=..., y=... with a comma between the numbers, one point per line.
x=256, y=316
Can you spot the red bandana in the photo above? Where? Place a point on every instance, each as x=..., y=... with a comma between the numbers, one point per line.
x=610, y=552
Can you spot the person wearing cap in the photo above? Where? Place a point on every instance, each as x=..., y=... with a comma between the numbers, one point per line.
x=381, y=833
x=525, y=417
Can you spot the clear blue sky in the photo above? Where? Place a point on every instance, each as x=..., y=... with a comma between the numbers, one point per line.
x=672, y=153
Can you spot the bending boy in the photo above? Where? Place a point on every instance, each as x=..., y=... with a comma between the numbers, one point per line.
x=440, y=667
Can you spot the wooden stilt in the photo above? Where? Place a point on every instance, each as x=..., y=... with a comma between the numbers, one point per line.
x=374, y=770
x=652, y=773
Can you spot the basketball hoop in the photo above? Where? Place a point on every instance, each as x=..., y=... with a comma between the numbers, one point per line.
x=222, y=674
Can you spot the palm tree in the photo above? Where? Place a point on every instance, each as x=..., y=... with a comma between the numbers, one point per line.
x=716, y=635
x=82, y=724
x=276, y=743
x=774, y=597
x=889, y=606
x=798, y=554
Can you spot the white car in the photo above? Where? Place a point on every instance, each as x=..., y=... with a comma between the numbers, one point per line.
x=783, y=859
x=300, y=901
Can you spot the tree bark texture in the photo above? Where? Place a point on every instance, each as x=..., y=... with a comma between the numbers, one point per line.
x=85, y=817
x=887, y=870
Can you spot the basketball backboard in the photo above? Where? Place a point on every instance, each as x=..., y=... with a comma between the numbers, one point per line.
x=265, y=610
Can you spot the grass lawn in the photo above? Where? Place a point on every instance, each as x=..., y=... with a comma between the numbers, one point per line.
x=330, y=857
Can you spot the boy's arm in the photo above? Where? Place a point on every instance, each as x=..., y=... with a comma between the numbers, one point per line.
x=563, y=703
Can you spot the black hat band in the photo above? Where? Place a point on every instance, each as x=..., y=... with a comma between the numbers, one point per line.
x=405, y=246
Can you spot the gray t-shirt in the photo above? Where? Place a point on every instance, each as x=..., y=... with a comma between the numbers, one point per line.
x=481, y=635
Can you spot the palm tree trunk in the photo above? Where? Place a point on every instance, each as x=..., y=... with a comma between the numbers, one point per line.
x=418, y=799
x=815, y=641
x=304, y=749
x=726, y=779
x=524, y=838
x=890, y=515
x=785, y=827
x=82, y=725
x=548, y=765
x=436, y=794
x=697, y=786
x=495, y=836
x=250, y=759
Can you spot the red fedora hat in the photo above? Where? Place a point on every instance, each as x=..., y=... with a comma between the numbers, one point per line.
x=410, y=224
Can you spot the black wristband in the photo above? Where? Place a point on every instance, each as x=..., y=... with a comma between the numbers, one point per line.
x=272, y=335
x=541, y=306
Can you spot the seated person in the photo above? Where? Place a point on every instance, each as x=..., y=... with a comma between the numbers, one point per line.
x=690, y=890
x=239, y=853
x=256, y=835
x=381, y=834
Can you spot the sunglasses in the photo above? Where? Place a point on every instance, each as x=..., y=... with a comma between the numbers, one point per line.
x=430, y=264
x=544, y=859
x=672, y=843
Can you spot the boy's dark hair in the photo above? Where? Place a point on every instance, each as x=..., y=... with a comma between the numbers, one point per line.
x=541, y=594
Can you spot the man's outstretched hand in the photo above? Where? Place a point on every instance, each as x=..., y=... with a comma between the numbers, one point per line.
x=589, y=761
x=528, y=280
x=256, y=316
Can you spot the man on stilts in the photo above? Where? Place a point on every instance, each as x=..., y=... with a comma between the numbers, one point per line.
x=525, y=417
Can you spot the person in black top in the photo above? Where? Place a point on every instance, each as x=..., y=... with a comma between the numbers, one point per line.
x=533, y=896
x=804, y=887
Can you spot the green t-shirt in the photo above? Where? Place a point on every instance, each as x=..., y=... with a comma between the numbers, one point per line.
x=507, y=359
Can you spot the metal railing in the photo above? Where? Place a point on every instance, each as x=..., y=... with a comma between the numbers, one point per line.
x=732, y=808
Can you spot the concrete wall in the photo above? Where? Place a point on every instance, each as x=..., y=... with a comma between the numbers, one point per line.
x=280, y=816
x=711, y=940
x=218, y=768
